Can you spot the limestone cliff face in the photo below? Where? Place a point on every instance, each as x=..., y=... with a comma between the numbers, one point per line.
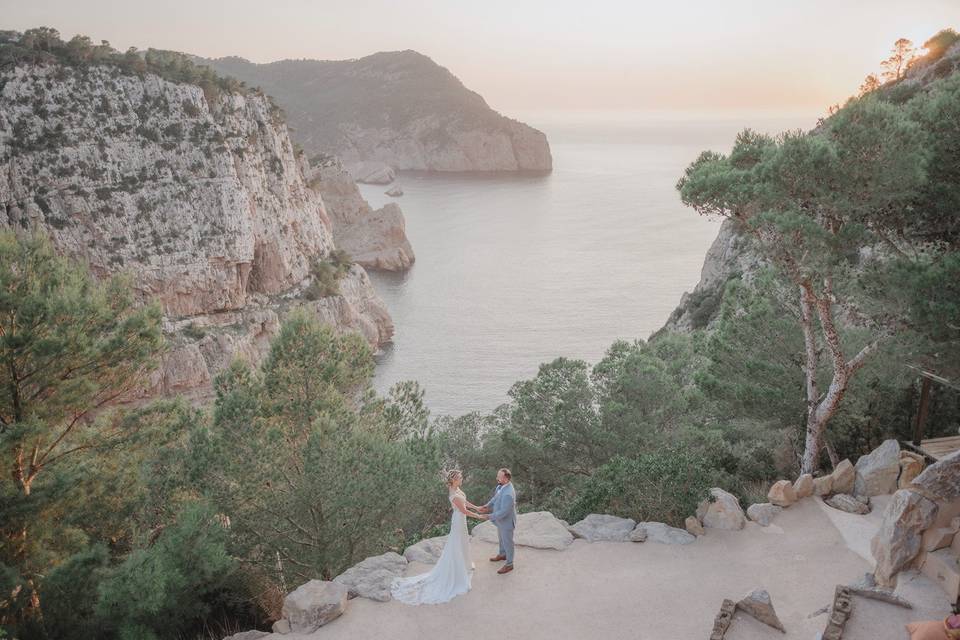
x=374, y=239
x=397, y=107
x=201, y=200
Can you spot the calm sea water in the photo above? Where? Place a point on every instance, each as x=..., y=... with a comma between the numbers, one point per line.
x=513, y=271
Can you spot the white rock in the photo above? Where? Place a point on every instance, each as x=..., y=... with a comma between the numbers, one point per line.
x=877, y=472
x=843, y=477
x=763, y=513
x=395, y=191
x=371, y=577
x=539, y=529
x=313, y=605
x=427, y=551
x=603, y=528
x=665, y=534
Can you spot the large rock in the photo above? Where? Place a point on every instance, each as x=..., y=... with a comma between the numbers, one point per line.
x=823, y=485
x=372, y=172
x=721, y=511
x=395, y=191
x=843, y=478
x=845, y=502
x=782, y=494
x=539, y=529
x=371, y=578
x=603, y=528
x=313, y=605
x=665, y=534
x=758, y=604
x=763, y=513
x=803, y=487
x=941, y=480
x=911, y=466
x=427, y=551
x=897, y=542
x=877, y=472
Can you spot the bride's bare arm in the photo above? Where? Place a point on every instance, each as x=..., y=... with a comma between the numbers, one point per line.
x=462, y=506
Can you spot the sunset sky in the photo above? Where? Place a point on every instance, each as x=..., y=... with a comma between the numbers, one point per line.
x=700, y=55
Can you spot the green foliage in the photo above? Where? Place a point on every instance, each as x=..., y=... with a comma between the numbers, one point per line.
x=938, y=44
x=70, y=594
x=326, y=275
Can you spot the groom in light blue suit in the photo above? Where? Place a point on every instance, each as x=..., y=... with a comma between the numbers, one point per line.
x=503, y=514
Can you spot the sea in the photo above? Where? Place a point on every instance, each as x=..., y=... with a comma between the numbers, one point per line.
x=513, y=271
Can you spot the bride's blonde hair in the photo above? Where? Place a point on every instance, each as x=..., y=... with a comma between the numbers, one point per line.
x=449, y=475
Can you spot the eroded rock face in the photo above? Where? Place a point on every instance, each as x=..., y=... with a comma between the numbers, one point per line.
x=877, y=472
x=721, y=511
x=897, y=542
x=375, y=239
x=603, y=528
x=201, y=201
x=538, y=529
x=371, y=578
x=313, y=605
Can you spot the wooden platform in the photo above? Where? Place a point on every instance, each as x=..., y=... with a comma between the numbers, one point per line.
x=940, y=448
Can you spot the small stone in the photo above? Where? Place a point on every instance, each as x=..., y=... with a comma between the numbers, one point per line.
x=843, y=477
x=782, y=494
x=692, y=524
x=757, y=603
x=603, y=528
x=846, y=502
x=394, y=192
x=638, y=535
x=665, y=534
x=763, y=513
x=803, y=487
x=823, y=486
x=314, y=604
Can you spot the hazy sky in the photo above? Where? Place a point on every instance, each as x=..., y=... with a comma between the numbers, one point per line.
x=539, y=54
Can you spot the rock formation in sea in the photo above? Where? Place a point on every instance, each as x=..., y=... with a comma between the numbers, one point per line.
x=195, y=191
x=399, y=108
x=374, y=239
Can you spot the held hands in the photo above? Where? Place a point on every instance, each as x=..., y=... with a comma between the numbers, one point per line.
x=478, y=516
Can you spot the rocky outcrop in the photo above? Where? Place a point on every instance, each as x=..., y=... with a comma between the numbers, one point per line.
x=399, y=108
x=199, y=197
x=538, y=529
x=374, y=239
x=603, y=528
x=372, y=172
x=372, y=577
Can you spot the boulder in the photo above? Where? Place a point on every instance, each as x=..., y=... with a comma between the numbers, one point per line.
x=803, y=487
x=372, y=172
x=281, y=626
x=638, y=535
x=941, y=537
x=538, y=529
x=603, y=528
x=692, y=525
x=248, y=635
x=395, y=191
x=371, y=578
x=314, y=604
x=763, y=513
x=843, y=477
x=850, y=504
x=911, y=465
x=721, y=511
x=757, y=603
x=427, y=551
x=665, y=534
x=877, y=472
x=941, y=479
x=782, y=494
x=823, y=485
x=897, y=542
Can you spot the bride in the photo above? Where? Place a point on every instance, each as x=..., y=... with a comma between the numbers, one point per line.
x=450, y=577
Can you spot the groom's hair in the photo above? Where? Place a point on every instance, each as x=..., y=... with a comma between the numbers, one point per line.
x=506, y=472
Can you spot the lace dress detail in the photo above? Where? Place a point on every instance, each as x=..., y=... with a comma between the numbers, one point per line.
x=450, y=577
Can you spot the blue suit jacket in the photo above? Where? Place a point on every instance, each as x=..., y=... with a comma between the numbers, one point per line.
x=503, y=506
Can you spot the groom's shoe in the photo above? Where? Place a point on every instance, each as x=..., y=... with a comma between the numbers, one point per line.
x=498, y=558
x=507, y=568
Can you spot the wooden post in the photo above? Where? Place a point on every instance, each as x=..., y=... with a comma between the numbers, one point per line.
x=922, y=413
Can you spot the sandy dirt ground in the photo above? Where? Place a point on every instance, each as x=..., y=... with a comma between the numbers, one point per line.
x=651, y=591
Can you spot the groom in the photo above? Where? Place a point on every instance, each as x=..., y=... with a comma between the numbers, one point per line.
x=503, y=514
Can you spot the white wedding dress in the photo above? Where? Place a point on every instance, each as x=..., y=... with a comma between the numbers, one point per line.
x=450, y=577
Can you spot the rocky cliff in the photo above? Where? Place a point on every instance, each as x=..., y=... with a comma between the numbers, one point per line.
x=374, y=239
x=196, y=193
x=397, y=107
